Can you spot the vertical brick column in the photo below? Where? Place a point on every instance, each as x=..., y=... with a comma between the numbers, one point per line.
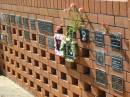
x=128, y=53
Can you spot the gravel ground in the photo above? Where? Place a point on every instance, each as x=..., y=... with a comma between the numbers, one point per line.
x=9, y=89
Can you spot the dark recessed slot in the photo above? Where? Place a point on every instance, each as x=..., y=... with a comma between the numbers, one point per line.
x=38, y=88
x=53, y=71
x=3, y=27
x=22, y=56
x=20, y=32
x=45, y=80
x=29, y=60
x=19, y=76
x=74, y=81
x=35, y=50
x=8, y=69
x=7, y=59
x=16, y=53
x=37, y=76
x=75, y=95
x=86, y=70
x=30, y=72
x=15, y=42
x=85, y=53
x=101, y=93
x=31, y=84
x=27, y=47
x=21, y=44
x=47, y=93
x=62, y=60
x=74, y=66
x=23, y=68
x=6, y=48
x=54, y=85
x=13, y=72
x=52, y=57
x=44, y=67
x=11, y=51
x=25, y=79
x=36, y=63
x=12, y=61
x=64, y=91
x=63, y=76
x=87, y=87
x=14, y=31
x=43, y=53
x=17, y=65
x=34, y=37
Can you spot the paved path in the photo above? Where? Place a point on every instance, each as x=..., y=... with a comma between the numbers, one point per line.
x=9, y=89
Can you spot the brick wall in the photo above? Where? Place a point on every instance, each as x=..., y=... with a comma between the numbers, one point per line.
x=43, y=73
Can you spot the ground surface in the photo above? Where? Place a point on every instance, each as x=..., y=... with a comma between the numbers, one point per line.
x=10, y=89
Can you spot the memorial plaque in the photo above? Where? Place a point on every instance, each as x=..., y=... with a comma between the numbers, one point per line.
x=26, y=22
x=84, y=35
x=33, y=24
x=99, y=39
x=117, y=64
x=45, y=27
x=42, y=40
x=51, y=42
x=100, y=58
x=117, y=83
x=27, y=35
x=101, y=77
x=13, y=19
x=116, y=41
x=19, y=21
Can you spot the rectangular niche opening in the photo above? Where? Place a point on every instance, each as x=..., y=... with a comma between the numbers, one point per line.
x=75, y=95
x=30, y=72
x=22, y=56
x=52, y=57
x=37, y=76
x=44, y=67
x=47, y=93
x=53, y=71
x=85, y=53
x=63, y=76
x=35, y=50
x=62, y=60
x=74, y=81
x=28, y=47
x=3, y=27
x=45, y=80
x=34, y=38
x=20, y=33
x=25, y=79
x=29, y=60
x=14, y=31
x=31, y=84
x=101, y=93
x=36, y=63
x=87, y=87
x=74, y=66
x=54, y=85
x=64, y=91
x=21, y=44
x=39, y=88
x=86, y=70
x=43, y=53
x=116, y=41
